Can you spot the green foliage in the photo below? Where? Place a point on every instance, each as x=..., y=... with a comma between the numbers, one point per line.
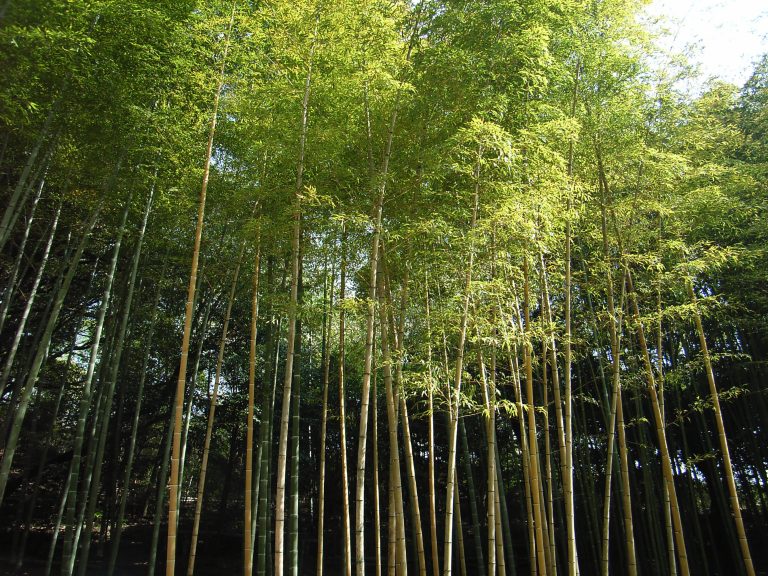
x=547, y=109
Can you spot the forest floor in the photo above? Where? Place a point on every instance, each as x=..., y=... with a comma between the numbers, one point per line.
x=213, y=554
x=132, y=559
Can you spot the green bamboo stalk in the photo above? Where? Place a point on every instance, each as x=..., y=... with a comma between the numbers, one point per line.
x=37, y=362
x=211, y=417
x=128, y=465
x=728, y=467
x=248, y=505
x=173, y=499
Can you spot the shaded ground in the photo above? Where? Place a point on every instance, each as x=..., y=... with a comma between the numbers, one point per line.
x=218, y=553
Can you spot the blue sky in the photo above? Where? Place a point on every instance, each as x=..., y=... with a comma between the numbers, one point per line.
x=726, y=36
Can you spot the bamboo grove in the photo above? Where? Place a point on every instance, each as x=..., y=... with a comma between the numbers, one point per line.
x=377, y=287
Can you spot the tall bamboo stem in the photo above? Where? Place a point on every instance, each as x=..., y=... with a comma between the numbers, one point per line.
x=173, y=497
x=248, y=505
x=728, y=467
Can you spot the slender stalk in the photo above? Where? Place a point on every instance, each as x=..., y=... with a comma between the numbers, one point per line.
x=57, y=526
x=431, y=430
x=162, y=481
x=74, y=522
x=380, y=185
x=376, y=497
x=455, y=394
x=26, y=392
x=509, y=559
x=544, y=518
x=266, y=434
x=466, y=467
x=669, y=534
x=501, y=562
x=247, y=550
x=396, y=514
x=666, y=462
x=462, y=559
x=399, y=335
x=28, y=307
x=116, y=353
x=391, y=526
x=368, y=360
x=514, y=370
x=570, y=522
x=548, y=460
x=552, y=347
x=170, y=564
x=345, y=519
x=489, y=434
x=10, y=287
x=489, y=397
x=615, y=323
x=17, y=199
x=293, y=515
x=629, y=529
x=200, y=332
x=326, y=362
x=211, y=417
x=44, y=455
x=282, y=450
x=533, y=449
x=728, y=467
x=128, y=465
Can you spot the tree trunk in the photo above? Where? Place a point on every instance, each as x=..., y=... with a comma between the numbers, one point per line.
x=345, y=516
x=548, y=460
x=247, y=552
x=533, y=449
x=455, y=393
x=293, y=524
x=669, y=534
x=472, y=497
x=326, y=364
x=728, y=467
x=380, y=185
x=75, y=518
x=573, y=557
x=461, y=556
x=15, y=203
x=615, y=323
x=170, y=566
x=112, y=381
x=200, y=333
x=368, y=359
x=431, y=445
x=514, y=370
x=266, y=437
x=44, y=455
x=10, y=287
x=376, y=498
x=396, y=489
x=30, y=301
x=37, y=362
x=666, y=462
x=162, y=481
x=629, y=530
x=408, y=449
x=128, y=466
x=210, y=420
x=282, y=450
x=509, y=559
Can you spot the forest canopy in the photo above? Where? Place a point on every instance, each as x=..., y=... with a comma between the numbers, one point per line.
x=447, y=286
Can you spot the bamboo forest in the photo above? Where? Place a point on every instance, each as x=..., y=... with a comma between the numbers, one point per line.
x=365, y=287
